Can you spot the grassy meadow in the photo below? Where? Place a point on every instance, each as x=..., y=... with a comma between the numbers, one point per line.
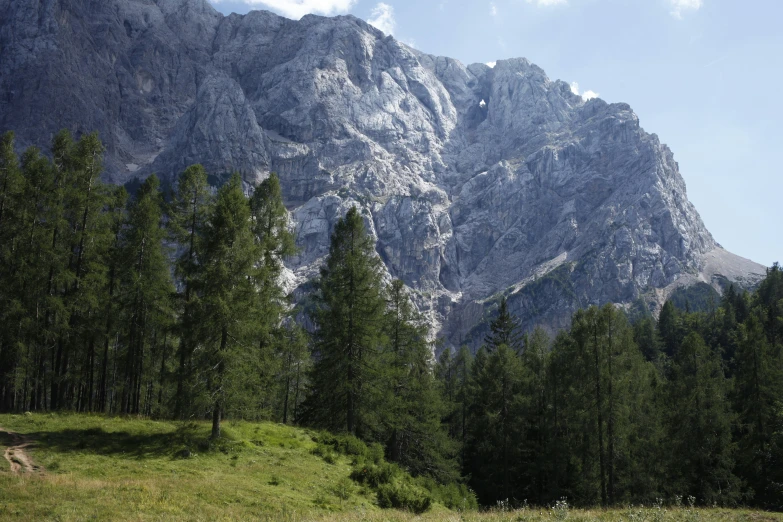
x=105, y=468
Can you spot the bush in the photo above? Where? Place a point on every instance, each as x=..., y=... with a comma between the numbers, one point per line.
x=401, y=495
x=345, y=444
x=343, y=489
x=325, y=452
x=373, y=474
x=454, y=496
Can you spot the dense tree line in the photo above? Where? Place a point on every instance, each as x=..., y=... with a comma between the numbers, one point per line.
x=170, y=304
x=160, y=304
x=613, y=412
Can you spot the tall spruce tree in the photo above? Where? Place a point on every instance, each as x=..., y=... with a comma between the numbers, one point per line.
x=275, y=243
x=113, y=259
x=504, y=330
x=228, y=286
x=147, y=289
x=699, y=424
x=757, y=393
x=11, y=188
x=188, y=213
x=349, y=320
x=535, y=448
x=409, y=407
x=492, y=453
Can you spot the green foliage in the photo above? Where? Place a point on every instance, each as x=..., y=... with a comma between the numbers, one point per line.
x=700, y=297
x=504, y=330
x=605, y=413
x=349, y=321
x=403, y=495
x=699, y=426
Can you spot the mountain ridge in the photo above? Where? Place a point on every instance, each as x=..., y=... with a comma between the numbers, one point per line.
x=476, y=181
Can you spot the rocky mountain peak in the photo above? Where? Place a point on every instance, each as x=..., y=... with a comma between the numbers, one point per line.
x=477, y=181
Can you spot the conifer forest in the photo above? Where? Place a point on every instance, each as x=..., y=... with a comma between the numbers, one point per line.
x=168, y=303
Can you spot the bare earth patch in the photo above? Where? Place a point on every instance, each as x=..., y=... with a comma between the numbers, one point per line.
x=16, y=455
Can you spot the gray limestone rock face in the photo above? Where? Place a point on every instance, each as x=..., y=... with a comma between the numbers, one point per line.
x=477, y=182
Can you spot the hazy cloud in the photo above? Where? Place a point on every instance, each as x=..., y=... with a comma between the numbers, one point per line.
x=493, y=9
x=382, y=17
x=546, y=3
x=680, y=6
x=298, y=8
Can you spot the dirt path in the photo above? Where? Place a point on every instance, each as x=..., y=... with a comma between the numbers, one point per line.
x=16, y=455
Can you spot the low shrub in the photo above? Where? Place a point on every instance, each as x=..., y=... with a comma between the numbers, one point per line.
x=345, y=444
x=454, y=496
x=373, y=474
x=402, y=495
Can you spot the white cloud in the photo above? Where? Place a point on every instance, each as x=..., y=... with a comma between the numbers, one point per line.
x=679, y=6
x=587, y=95
x=493, y=9
x=492, y=64
x=382, y=17
x=298, y=8
x=546, y=3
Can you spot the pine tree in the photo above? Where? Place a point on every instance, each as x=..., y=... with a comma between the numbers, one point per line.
x=535, y=427
x=91, y=239
x=294, y=352
x=349, y=319
x=589, y=331
x=147, y=289
x=493, y=427
x=188, y=213
x=504, y=330
x=228, y=285
x=699, y=426
x=646, y=337
x=668, y=326
x=39, y=317
x=116, y=215
x=11, y=188
x=453, y=374
x=409, y=406
x=275, y=243
x=758, y=390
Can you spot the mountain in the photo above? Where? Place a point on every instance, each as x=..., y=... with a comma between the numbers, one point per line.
x=477, y=181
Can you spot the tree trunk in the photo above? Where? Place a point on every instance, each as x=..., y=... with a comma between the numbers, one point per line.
x=217, y=411
x=91, y=372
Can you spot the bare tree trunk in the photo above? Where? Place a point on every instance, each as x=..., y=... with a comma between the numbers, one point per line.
x=217, y=411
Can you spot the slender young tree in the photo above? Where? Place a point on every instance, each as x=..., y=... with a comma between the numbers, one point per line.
x=294, y=352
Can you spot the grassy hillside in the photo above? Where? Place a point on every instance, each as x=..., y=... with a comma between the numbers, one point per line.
x=93, y=467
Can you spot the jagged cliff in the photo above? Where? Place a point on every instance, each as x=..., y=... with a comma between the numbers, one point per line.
x=476, y=181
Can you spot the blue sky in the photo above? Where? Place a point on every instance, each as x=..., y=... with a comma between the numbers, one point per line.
x=705, y=75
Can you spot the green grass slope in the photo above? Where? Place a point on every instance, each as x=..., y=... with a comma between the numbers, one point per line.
x=99, y=468
x=110, y=468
